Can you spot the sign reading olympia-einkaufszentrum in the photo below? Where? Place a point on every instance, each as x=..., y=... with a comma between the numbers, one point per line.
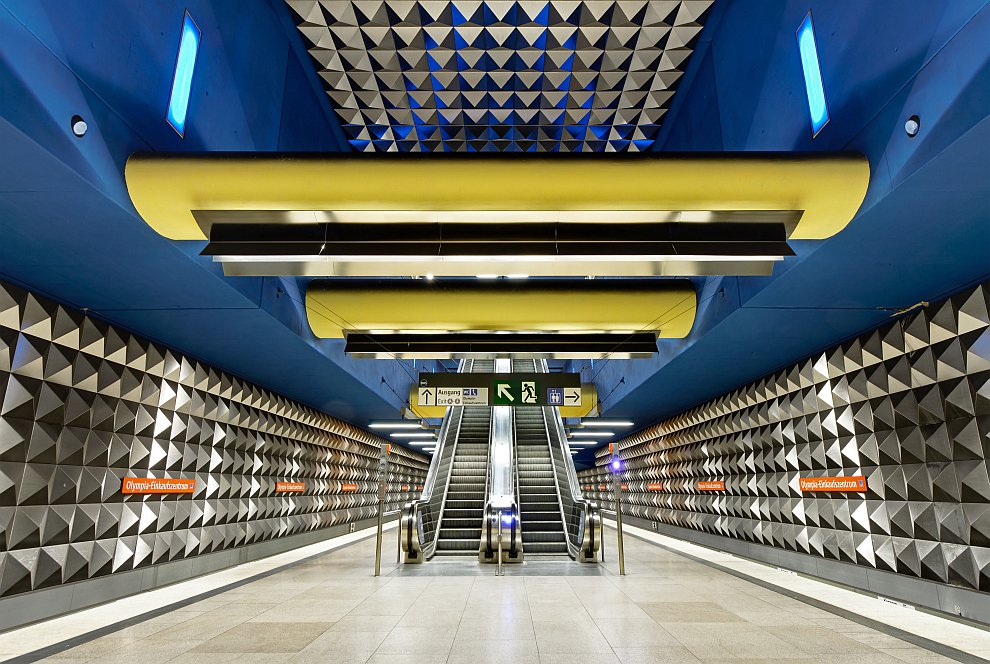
x=499, y=389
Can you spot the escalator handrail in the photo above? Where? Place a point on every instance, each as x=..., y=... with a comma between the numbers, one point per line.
x=429, y=548
x=587, y=508
x=515, y=467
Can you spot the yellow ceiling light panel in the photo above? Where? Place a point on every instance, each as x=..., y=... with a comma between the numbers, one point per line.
x=666, y=307
x=166, y=189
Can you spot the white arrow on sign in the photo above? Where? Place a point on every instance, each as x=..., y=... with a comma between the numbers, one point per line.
x=504, y=392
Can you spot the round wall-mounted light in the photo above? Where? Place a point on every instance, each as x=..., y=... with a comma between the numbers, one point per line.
x=912, y=126
x=79, y=126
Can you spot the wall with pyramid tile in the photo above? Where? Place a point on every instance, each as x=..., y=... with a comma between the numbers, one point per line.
x=906, y=406
x=84, y=404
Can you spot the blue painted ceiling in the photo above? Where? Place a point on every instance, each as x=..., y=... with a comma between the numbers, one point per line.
x=67, y=228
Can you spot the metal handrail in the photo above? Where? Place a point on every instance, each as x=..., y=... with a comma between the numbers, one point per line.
x=432, y=546
x=589, y=526
x=495, y=503
x=411, y=520
x=515, y=466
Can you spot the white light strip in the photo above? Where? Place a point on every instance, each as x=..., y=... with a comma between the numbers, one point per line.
x=592, y=434
x=607, y=423
x=415, y=434
x=395, y=425
x=423, y=443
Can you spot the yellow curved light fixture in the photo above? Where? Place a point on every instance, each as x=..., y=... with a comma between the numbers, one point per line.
x=828, y=188
x=403, y=306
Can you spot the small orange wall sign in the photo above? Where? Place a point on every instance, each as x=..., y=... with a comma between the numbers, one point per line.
x=625, y=487
x=714, y=485
x=654, y=486
x=405, y=487
x=602, y=487
x=348, y=488
x=851, y=483
x=419, y=487
x=290, y=487
x=142, y=485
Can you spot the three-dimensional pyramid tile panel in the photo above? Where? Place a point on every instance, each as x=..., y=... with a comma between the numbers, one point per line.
x=84, y=405
x=905, y=406
x=500, y=75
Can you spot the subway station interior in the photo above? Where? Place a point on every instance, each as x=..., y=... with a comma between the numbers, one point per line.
x=477, y=331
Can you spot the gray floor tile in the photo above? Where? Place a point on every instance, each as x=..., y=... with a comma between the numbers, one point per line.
x=667, y=609
x=265, y=638
x=689, y=612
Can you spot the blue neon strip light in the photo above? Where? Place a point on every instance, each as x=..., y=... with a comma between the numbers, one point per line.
x=812, y=75
x=185, y=65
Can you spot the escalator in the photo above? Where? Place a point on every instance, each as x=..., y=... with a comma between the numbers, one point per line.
x=501, y=492
x=540, y=513
x=463, y=510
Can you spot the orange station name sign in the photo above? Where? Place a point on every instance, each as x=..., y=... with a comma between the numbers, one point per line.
x=290, y=487
x=348, y=488
x=851, y=483
x=654, y=486
x=143, y=485
x=713, y=485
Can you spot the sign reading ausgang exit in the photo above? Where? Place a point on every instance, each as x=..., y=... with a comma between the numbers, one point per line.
x=501, y=389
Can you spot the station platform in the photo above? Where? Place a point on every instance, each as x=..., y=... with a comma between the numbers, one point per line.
x=678, y=603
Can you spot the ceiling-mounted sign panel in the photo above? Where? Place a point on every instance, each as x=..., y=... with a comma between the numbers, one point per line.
x=501, y=389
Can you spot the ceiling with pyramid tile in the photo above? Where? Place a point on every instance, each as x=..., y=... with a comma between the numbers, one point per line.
x=500, y=75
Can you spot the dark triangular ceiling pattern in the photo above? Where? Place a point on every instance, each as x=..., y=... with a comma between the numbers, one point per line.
x=500, y=75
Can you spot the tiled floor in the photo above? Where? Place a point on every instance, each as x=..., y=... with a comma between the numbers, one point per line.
x=667, y=609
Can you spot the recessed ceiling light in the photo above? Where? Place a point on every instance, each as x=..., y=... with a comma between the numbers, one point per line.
x=396, y=425
x=185, y=65
x=79, y=126
x=592, y=434
x=607, y=423
x=912, y=126
x=813, y=85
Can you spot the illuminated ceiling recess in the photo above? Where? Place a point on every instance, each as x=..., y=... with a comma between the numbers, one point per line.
x=452, y=216
x=499, y=75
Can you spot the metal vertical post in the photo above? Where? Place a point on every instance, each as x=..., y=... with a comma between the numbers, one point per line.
x=382, y=483
x=617, y=490
x=498, y=568
x=398, y=541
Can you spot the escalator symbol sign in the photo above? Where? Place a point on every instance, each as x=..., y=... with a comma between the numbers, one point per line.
x=529, y=392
